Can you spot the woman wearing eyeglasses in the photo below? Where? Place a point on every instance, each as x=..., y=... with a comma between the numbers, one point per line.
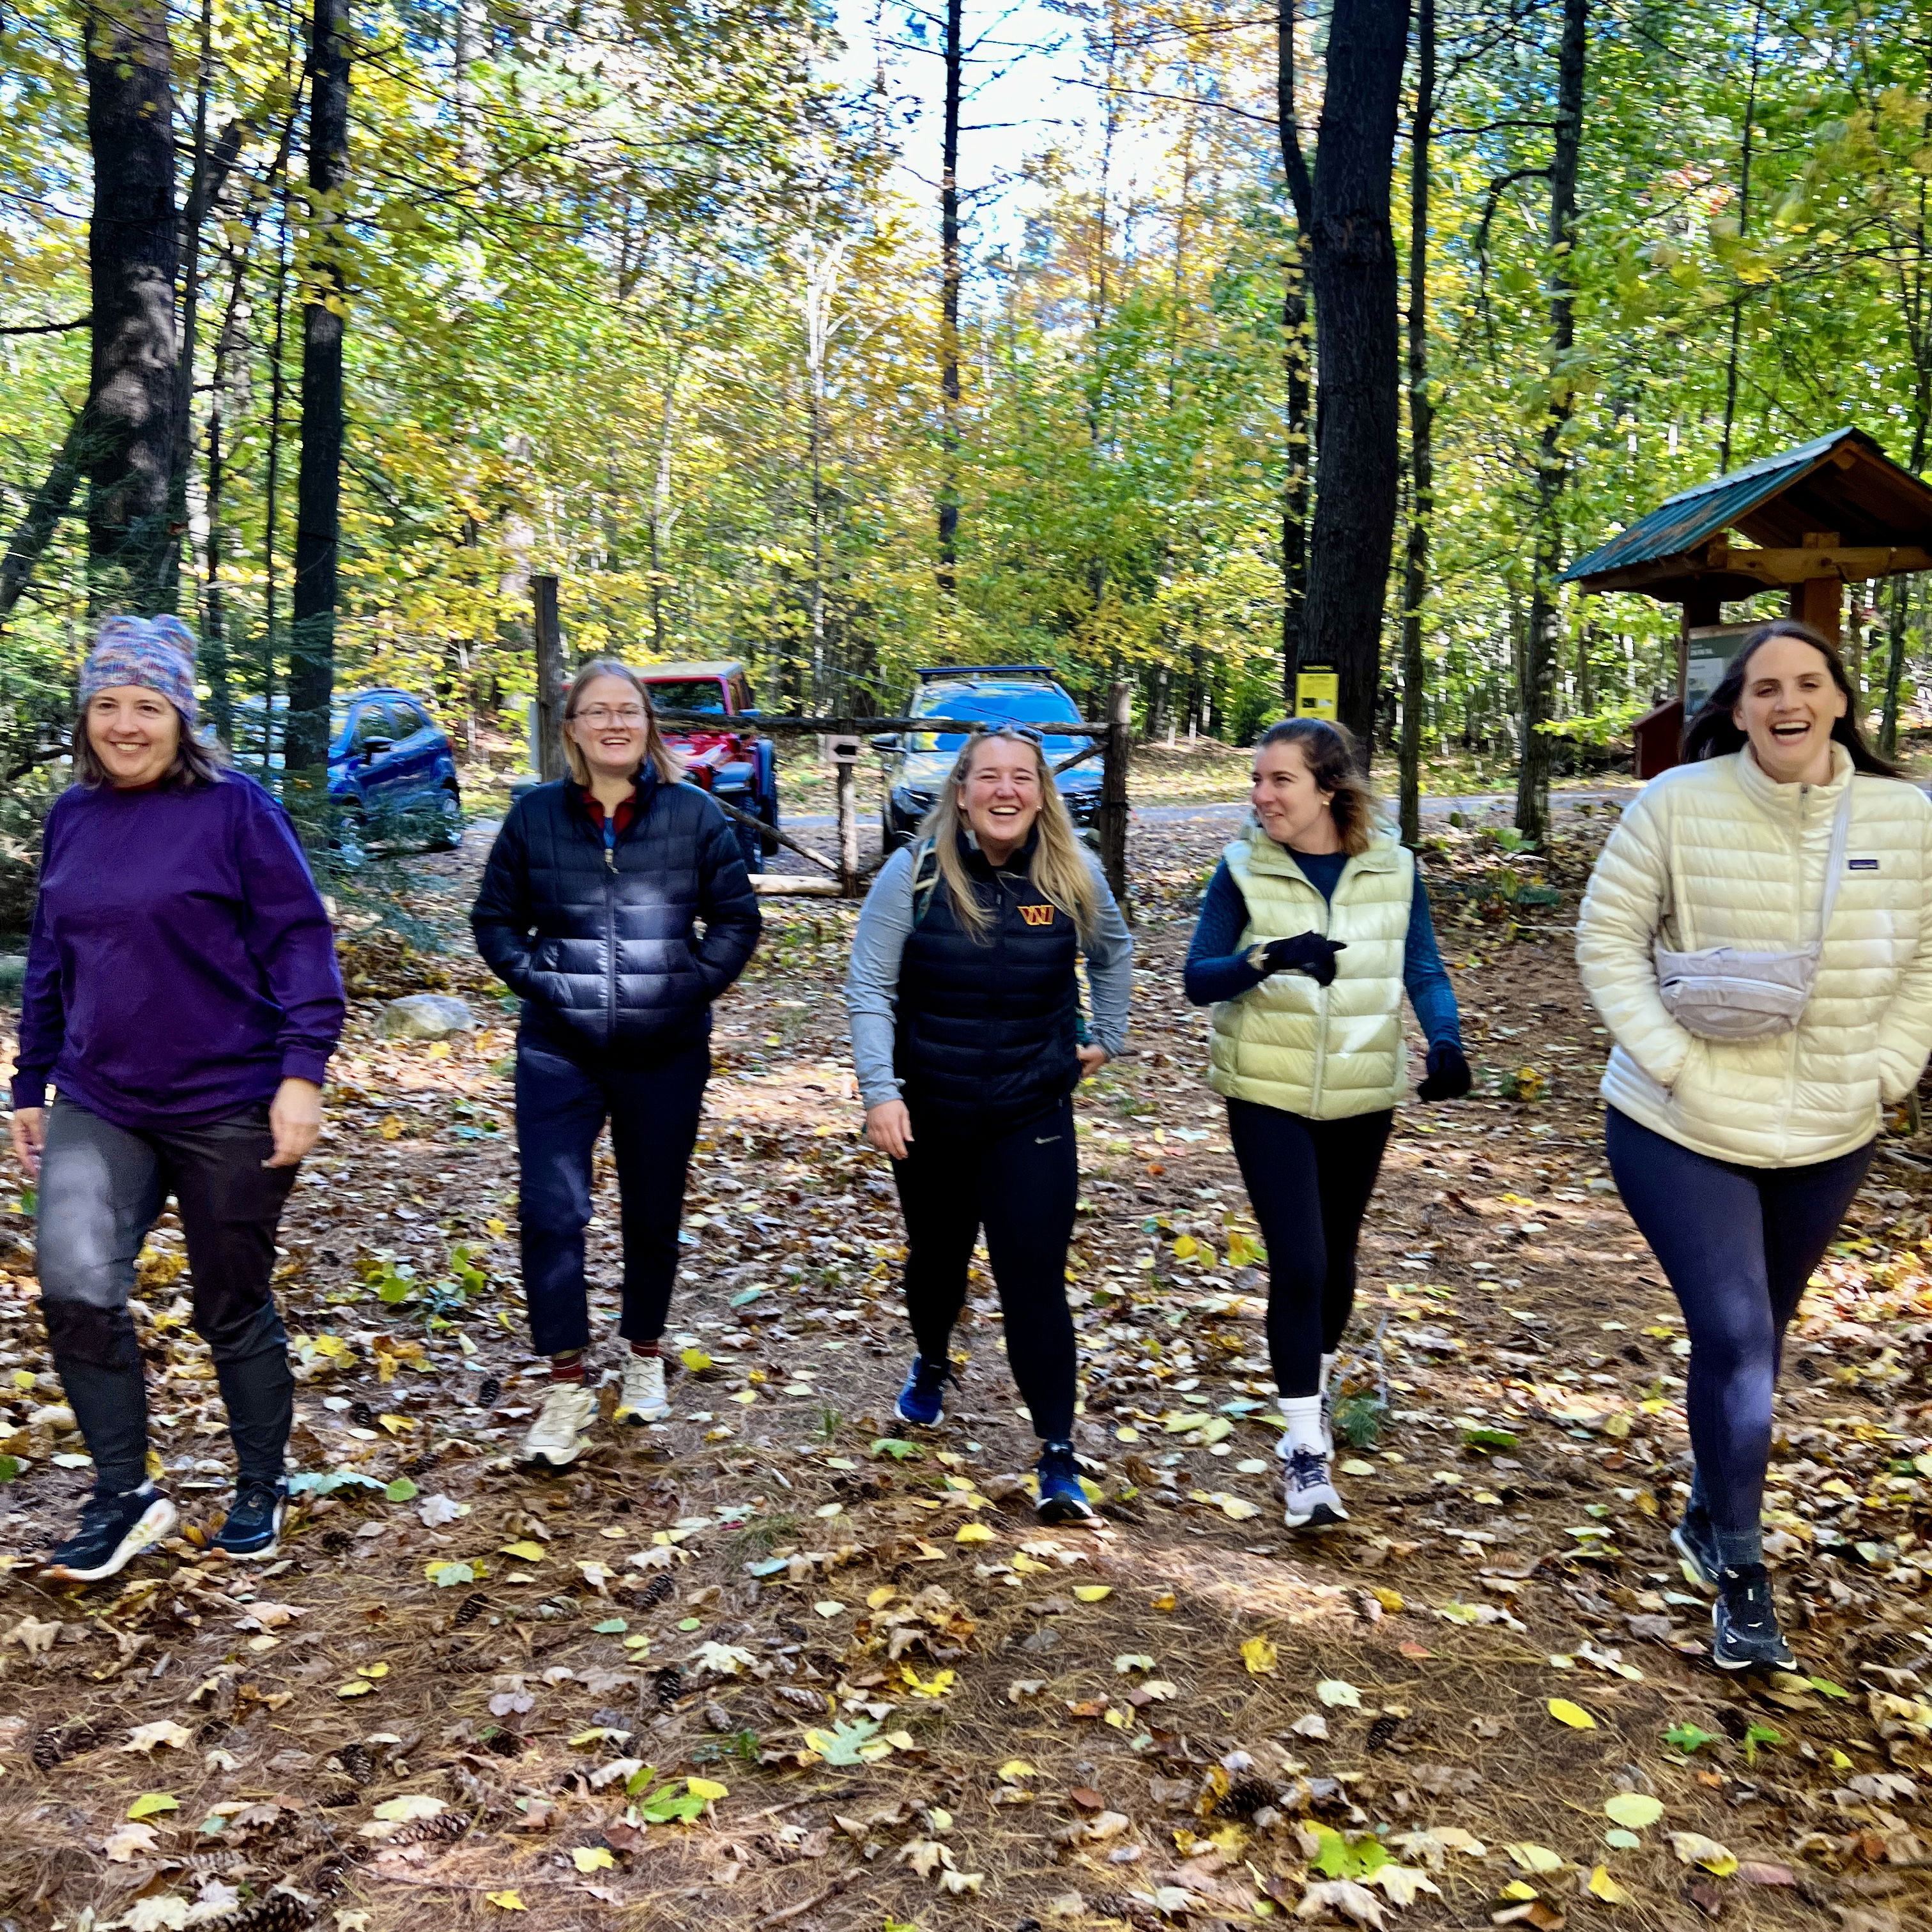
x=590, y=909
x=967, y=1037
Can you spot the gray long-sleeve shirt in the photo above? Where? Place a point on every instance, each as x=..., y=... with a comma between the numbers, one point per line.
x=872, y=978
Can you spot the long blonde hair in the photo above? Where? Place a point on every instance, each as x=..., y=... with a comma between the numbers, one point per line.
x=1060, y=868
x=669, y=766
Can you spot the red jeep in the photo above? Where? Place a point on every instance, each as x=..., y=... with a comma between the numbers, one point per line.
x=728, y=759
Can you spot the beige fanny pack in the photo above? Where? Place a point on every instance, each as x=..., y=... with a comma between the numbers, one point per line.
x=1722, y=993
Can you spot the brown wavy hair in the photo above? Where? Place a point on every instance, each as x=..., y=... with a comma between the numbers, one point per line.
x=196, y=762
x=1328, y=751
x=1714, y=733
x=669, y=766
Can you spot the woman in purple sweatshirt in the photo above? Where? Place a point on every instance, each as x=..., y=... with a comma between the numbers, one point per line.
x=182, y=998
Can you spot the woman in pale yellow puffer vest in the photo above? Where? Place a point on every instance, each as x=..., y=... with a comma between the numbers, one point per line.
x=1313, y=926
x=1738, y=1158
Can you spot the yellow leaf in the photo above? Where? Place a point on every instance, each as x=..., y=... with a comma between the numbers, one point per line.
x=1633, y=1810
x=973, y=1532
x=1539, y=1858
x=1516, y=1890
x=1259, y=1655
x=1092, y=1593
x=1184, y=1249
x=358, y=1687
x=152, y=1803
x=407, y=1809
x=1574, y=1715
x=1014, y=1769
x=1602, y=1886
x=1390, y=1600
x=493, y=1226
x=395, y=1424
x=372, y=1670
x=525, y=1552
x=707, y=1788
x=391, y=1127
x=1694, y=1849
x=507, y=1901
x=593, y=1857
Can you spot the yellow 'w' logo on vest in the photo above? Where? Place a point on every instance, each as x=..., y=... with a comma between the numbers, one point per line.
x=1037, y=915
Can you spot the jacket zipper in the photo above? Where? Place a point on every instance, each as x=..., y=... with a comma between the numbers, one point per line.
x=1324, y=906
x=610, y=929
x=1791, y=1050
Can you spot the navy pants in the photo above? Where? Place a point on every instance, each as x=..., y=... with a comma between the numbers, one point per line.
x=1020, y=1184
x=102, y=1188
x=561, y=1105
x=1737, y=1245
x=1309, y=1182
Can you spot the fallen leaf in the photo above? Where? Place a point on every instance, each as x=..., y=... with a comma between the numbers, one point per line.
x=507, y=1901
x=1402, y=1883
x=1334, y=1691
x=1345, y=1899
x=1531, y=1858
x=1602, y=1886
x=1260, y=1656
x=129, y=1842
x=593, y=1857
x=165, y=1731
x=152, y=1803
x=1692, y=1848
x=1574, y=1715
x=1633, y=1810
x=1092, y=1593
x=407, y=1809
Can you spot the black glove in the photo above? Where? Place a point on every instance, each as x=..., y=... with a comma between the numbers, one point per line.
x=1307, y=953
x=1448, y=1075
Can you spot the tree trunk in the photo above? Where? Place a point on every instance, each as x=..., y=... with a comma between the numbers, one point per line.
x=318, y=481
x=1421, y=427
x=132, y=256
x=272, y=502
x=1294, y=355
x=1553, y=460
x=1358, y=369
x=948, y=301
x=35, y=529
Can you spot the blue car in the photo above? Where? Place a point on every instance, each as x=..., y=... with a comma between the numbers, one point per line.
x=916, y=763
x=392, y=768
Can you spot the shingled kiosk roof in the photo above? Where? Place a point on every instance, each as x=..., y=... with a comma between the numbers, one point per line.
x=1836, y=507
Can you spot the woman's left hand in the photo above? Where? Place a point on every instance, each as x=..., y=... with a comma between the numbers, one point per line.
x=295, y=1119
x=1092, y=1059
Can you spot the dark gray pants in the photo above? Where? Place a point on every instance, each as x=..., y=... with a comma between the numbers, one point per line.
x=102, y=1188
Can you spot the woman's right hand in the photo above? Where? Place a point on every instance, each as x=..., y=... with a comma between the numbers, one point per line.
x=30, y=1135
x=888, y=1127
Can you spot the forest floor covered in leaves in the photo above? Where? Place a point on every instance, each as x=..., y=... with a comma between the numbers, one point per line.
x=781, y=1662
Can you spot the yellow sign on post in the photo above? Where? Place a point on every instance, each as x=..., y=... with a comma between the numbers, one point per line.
x=1317, y=694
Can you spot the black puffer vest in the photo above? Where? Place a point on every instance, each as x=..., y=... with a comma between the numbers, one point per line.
x=987, y=1026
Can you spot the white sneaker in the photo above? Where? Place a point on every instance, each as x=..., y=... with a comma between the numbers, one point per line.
x=559, y=1434
x=1309, y=1492
x=643, y=1399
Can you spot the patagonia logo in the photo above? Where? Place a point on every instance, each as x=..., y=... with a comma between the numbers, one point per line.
x=1041, y=915
x=1861, y=865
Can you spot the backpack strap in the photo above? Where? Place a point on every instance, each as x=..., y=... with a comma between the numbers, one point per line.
x=924, y=878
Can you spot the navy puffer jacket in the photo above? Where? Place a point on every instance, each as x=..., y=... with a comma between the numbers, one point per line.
x=600, y=942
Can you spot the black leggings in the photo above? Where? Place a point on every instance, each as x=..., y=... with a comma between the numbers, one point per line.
x=1309, y=1183
x=1737, y=1245
x=1021, y=1185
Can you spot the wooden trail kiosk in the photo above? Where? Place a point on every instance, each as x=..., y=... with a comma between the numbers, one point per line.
x=1833, y=511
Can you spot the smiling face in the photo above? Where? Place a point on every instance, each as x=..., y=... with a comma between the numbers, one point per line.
x=610, y=727
x=134, y=732
x=1001, y=797
x=1789, y=703
x=1294, y=810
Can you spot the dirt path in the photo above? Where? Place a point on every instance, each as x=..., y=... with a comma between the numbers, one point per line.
x=470, y=1692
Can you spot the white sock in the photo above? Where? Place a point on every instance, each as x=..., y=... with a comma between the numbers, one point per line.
x=1302, y=1414
x=1328, y=1369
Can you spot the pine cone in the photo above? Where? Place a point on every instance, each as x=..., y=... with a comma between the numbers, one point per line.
x=421, y=1465
x=356, y=1762
x=336, y=1542
x=655, y=1592
x=362, y=1415
x=487, y=1395
x=668, y=1685
x=1382, y=1731
x=471, y=1607
x=1244, y=1798
x=280, y=1912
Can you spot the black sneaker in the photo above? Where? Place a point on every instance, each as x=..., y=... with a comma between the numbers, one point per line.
x=114, y=1530
x=1745, y=1623
x=1695, y=1540
x=254, y=1524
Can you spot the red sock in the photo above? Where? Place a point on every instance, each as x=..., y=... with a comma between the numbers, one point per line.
x=646, y=1349
x=567, y=1367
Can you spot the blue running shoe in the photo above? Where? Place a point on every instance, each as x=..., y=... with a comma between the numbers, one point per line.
x=920, y=1402
x=1062, y=1498
x=1695, y=1541
x=254, y=1525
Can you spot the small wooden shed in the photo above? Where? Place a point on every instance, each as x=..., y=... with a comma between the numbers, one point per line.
x=1832, y=511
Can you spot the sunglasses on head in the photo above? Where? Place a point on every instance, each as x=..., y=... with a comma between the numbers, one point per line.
x=1026, y=731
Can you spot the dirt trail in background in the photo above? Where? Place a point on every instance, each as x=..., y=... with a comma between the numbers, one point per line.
x=469, y=1691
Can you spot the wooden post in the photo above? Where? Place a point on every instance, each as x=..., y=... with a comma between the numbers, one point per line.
x=1701, y=606
x=1819, y=602
x=848, y=826
x=1112, y=820
x=550, y=680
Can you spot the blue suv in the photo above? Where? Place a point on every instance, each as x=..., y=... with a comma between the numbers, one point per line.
x=392, y=768
x=916, y=763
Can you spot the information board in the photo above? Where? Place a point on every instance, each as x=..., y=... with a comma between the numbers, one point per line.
x=1317, y=693
x=1709, y=650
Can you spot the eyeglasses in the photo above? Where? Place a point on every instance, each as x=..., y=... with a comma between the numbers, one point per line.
x=602, y=714
x=1025, y=731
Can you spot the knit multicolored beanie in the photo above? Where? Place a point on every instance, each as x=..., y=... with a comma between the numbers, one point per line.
x=157, y=653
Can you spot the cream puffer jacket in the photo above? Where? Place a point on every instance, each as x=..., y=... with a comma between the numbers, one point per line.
x=1717, y=853
x=1327, y=1053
